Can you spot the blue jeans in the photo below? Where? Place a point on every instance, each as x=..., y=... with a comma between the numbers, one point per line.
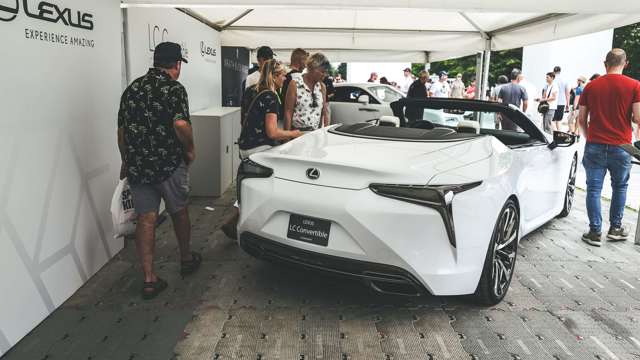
x=597, y=159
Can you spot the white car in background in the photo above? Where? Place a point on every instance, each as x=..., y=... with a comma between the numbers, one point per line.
x=354, y=103
x=426, y=208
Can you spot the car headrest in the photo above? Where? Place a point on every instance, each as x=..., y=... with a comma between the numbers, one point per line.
x=468, y=126
x=387, y=120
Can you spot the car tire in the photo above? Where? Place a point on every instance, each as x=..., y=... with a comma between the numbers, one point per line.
x=500, y=261
x=570, y=193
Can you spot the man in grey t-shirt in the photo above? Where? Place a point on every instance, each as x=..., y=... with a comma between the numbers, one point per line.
x=514, y=94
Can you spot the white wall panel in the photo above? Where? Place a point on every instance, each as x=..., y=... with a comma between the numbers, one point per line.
x=580, y=55
x=59, y=96
x=65, y=268
x=202, y=75
x=19, y=294
x=359, y=72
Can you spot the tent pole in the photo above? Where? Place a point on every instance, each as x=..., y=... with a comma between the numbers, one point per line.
x=485, y=69
x=125, y=37
x=479, y=69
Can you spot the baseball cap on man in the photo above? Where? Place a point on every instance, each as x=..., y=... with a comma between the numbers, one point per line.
x=265, y=52
x=168, y=52
x=407, y=69
x=443, y=73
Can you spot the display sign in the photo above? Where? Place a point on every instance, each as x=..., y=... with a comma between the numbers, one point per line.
x=235, y=67
x=147, y=27
x=59, y=162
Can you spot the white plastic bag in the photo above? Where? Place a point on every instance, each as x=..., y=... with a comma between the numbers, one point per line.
x=123, y=213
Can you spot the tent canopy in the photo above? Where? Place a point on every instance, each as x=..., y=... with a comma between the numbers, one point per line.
x=401, y=30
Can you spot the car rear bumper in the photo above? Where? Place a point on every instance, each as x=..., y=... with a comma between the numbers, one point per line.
x=382, y=278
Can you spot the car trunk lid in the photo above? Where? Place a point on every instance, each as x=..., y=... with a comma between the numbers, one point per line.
x=327, y=159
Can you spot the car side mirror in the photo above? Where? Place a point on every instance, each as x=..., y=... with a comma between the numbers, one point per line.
x=363, y=99
x=562, y=139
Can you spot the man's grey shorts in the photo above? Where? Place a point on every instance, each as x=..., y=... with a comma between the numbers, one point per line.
x=174, y=190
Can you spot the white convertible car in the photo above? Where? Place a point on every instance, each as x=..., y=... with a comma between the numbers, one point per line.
x=424, y=207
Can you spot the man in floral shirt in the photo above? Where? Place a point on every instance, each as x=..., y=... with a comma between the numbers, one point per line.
x=155, y=139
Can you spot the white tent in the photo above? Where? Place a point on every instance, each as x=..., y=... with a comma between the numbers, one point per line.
x=401, y=30
x=394, y=30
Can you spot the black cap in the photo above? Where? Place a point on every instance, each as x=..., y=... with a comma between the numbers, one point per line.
x=265, y=52
x=443, y=72
x=407, y=69
x=168, y=52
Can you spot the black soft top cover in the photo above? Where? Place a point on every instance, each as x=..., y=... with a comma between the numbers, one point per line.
x=368, y=130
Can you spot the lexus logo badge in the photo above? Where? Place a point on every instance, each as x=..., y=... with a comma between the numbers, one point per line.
x=313, y=173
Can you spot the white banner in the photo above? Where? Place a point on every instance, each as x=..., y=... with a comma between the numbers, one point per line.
x=147, y=27
x=59, y=162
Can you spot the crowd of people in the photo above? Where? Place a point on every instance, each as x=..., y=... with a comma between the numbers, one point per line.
x=156, y=142
x=558, y=100
x=443, y=87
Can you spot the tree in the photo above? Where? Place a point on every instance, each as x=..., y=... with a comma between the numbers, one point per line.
x=416, y=68
x=342, y=70
x=502, y=63
x=628, y=38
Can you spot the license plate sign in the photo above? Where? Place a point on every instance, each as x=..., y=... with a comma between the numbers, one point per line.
x=308, y=229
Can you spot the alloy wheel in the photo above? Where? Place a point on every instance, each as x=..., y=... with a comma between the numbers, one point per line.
x=504, y=251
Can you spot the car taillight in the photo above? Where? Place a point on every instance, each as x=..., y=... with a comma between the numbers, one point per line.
x=437, y=197
x=249, y=169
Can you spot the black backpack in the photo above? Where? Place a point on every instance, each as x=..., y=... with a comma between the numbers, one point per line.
x=249, y=95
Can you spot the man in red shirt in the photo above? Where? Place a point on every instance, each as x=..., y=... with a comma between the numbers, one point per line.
x=611, y=103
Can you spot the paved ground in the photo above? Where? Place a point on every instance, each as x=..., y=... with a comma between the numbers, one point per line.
x=567, y=301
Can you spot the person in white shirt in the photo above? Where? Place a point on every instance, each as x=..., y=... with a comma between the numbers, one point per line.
x=550, y=96
x=264, y=54
x=406, y=82
x=563, y=97
x=441, y=88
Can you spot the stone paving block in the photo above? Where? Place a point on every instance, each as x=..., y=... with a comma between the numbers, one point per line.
x=240, y=334
x=597, y=334
x=282, y=335
x=438, y=337
x=322, y=334
x=359, y=338
x=519, y=297
x=514, y=335
x=398, y=338
x=554, y=337
x=476, y=337
x=202, y=334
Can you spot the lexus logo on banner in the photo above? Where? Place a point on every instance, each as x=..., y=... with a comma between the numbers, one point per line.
x=46, y=11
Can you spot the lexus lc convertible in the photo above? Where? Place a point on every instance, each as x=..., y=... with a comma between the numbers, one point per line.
x=420, y=207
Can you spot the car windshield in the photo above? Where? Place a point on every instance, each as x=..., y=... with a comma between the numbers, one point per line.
x=484, y=119
x=386, y=93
